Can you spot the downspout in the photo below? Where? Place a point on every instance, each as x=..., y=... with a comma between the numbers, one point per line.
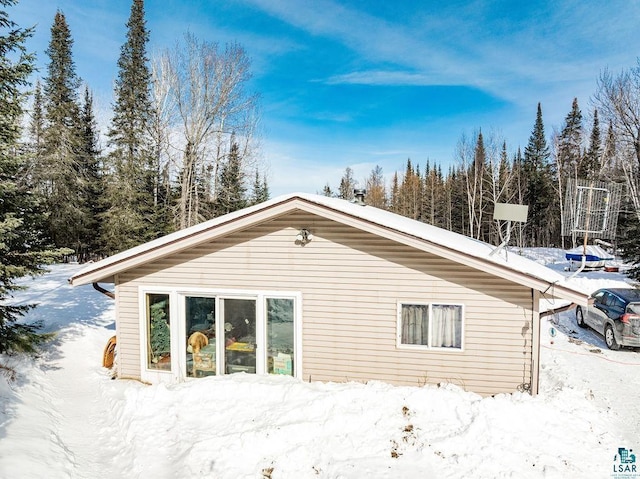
x=534, y=385
x=97, y=287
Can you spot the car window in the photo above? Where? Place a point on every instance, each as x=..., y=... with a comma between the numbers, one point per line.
x=617, y=304
x=609, y=299
x=600, y=297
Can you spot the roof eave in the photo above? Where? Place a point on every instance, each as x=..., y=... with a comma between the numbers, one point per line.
x=105, y=270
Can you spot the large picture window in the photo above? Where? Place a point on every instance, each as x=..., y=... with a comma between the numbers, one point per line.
x=200, y=332
x=430, y=325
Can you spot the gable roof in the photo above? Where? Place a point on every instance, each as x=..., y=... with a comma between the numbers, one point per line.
x=447, y=244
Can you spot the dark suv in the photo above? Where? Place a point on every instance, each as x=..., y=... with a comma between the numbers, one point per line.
x=614, y=313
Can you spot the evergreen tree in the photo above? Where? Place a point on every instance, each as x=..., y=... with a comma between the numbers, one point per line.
x=457, y=196
x=260, y=189
x=410, y=192
x=59, y=171
x=23, y=249
x=130, y=216
x=36, y=126
x=592, y=162
x=90, y=175
x=569, y=161
x=569, y=154
x=231, y=191
x=628, y=234
x=395, y=205
x=504, y=177
x=518, y=194
x=539, y=194
x=433, y=196
x=481, y=199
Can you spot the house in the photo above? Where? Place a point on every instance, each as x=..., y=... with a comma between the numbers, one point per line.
x=329, y=290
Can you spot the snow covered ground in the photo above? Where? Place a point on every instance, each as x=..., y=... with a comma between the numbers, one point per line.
x=63, y=417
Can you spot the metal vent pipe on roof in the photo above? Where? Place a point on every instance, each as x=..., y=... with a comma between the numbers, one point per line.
x=359, y=196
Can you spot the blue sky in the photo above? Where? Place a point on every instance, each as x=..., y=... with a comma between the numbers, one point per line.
x=363, y=83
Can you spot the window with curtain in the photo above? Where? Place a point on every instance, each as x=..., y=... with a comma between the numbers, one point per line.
x=432, y=325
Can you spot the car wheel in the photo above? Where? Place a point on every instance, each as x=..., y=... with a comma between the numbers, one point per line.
x=610, y=338
x=580, y=317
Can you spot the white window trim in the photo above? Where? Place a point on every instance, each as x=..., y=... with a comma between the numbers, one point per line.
x=424, y=347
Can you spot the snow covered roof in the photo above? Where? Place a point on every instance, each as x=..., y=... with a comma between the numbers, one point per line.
x=439, y=241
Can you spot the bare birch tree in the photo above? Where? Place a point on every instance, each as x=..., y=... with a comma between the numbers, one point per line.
x=487, y=179
x=207, y=87
x=618, y=101
x=162, y=117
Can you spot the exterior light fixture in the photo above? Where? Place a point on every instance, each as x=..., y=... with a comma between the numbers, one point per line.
x=304, y=236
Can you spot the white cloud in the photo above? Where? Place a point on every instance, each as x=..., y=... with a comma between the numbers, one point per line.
x=532, y=49
x=380, y=77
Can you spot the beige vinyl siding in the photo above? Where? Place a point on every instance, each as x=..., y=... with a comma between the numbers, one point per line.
x=351, y=283
x=128, y=312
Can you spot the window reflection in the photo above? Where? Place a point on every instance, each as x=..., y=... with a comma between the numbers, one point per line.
x=280, y=336
x=158, y=332
x=200, y=324
x=240, y=335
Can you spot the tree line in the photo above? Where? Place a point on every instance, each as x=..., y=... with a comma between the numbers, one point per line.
x=180, y=149
x=463, y=197
x=180, y=145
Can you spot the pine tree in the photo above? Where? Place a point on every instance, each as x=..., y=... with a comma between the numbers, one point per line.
x=231, y=191
x=410, y=192
x=36, y=126
x=90, y=175
x=23, y=248
x=260, y=189
x=592, y=162
x=569, y=155
x=59, y=171
x=130, y=216
x=539, y=194
x=433, y=196
x=504, y=177
x=456, y=193
x=518, y=193
x=395, y=202
x=569, y=162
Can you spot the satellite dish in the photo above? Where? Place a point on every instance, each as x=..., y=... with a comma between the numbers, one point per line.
x=509, y=212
